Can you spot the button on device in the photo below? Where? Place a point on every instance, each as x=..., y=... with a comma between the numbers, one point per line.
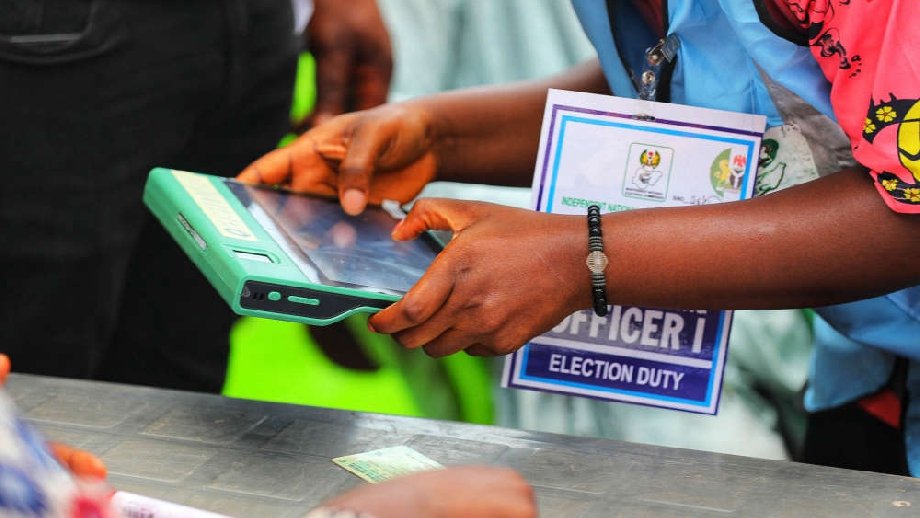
x=303, y=300
x=274, y=296
x=253, y=256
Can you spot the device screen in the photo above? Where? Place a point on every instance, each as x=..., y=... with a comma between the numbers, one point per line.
x=354, y=251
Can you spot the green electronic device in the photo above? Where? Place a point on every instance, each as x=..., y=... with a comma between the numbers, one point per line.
x=275, y=254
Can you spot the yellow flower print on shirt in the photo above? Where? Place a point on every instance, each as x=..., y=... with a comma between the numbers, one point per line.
x=890, y=185
x=885, y=114
x=868, y=126
x=912, y=194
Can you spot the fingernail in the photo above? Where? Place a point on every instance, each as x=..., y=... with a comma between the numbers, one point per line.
x=353, y=202
x=330, y=147
x=331, y=151
x=370, y=327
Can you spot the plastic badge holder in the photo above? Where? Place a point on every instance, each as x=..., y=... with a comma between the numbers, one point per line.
x=274, y=254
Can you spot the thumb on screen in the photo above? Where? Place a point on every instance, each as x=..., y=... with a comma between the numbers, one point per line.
x=435, y=214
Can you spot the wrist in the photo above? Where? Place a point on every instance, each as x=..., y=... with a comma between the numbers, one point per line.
x=443, y=138
x=421, y=117
x=570, y=246
x=579, y=248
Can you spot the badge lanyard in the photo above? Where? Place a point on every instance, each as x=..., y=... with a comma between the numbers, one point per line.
x=662, y=53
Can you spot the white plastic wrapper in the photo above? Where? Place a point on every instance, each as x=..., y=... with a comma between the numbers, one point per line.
x=139, y=506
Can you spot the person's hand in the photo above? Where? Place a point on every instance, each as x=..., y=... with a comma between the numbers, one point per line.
x=506, y=276
x=363, y=157
x=81, y=463
x=354, y=57
x=483, y=492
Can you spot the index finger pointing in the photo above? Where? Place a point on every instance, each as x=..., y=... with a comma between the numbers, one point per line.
x=357, y=167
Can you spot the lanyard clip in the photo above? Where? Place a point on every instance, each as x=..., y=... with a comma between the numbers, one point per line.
x=662, y=52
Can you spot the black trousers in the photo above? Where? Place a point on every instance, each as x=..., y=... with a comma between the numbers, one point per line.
x=93, y=93
x=848, y=437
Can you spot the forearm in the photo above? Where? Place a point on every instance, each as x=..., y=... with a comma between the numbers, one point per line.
x=491, y=134
x=828, y=241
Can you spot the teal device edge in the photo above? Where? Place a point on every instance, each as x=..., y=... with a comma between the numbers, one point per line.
x=213, y=228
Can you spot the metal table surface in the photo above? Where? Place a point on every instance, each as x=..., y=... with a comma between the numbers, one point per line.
x=247, y=458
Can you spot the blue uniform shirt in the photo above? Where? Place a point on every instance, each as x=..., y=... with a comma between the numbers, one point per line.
x=723, y=51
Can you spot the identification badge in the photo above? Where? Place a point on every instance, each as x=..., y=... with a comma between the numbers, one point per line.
x=622, y=154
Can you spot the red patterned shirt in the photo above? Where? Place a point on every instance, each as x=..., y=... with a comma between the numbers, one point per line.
x=870, y=52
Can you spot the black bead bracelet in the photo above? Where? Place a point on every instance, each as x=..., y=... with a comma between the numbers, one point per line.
x=597, y=261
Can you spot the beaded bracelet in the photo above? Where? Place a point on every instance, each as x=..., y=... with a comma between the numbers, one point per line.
x=597, y=261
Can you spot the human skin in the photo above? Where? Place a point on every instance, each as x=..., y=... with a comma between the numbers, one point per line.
x=480, y=491
x=354, y=57
x=509, y=275
x=481, y=135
